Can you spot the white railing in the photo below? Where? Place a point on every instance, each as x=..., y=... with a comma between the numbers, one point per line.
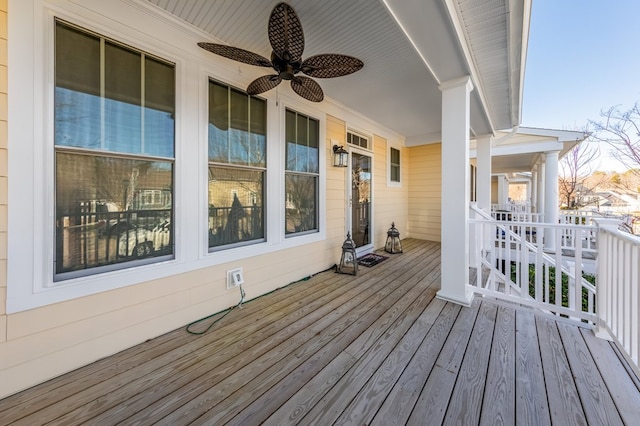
x=618, y=299
x=512, y=264
x=517, y=216
x=513, y=206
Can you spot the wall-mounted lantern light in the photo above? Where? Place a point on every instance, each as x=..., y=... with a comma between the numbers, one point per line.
x=340, y=156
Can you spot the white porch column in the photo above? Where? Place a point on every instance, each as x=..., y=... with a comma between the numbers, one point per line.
x=483, y=174
x=455, y=192
x=541, y=173
x=503, y=191
x=550, y=197
x=534, y=190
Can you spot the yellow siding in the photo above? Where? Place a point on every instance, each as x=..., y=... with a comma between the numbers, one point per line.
x=390, y=202
x=336, y=192
x=425, y=191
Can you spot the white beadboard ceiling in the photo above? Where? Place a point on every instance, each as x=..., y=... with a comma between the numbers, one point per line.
x=408, y=48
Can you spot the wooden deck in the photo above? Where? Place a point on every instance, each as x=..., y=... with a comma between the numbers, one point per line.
x=376, y=349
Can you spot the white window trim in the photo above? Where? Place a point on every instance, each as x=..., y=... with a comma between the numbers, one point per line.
x=392, y=183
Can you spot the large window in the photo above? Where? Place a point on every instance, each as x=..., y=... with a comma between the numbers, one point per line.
x=237, y=165
x=302, y=173
x=114, y=153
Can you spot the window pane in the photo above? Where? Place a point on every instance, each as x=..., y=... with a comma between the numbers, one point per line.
x=394, y=161
x=395, y=156
x=301, y=201
x=123, y=92
x=235, y=205
x=258, y=148
x=218, y=123
x=291, y=138
x=395, y=173
x=239, y=142
x=111, y=210
x=77, y=94
x=159, y=111
x=302, y=135
x=237, y=127
x=314, y=153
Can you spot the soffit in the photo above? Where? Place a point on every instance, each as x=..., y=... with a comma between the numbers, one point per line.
x=406, y=56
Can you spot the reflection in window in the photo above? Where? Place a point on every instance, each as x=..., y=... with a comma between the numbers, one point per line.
x=237, y=164
x=235, y=205
x=302, y=173
x=114, y=109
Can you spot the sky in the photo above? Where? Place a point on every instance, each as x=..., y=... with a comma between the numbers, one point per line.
x=583, y=57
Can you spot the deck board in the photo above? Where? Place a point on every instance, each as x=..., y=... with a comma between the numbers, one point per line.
x=377, y=348
x=532, y=407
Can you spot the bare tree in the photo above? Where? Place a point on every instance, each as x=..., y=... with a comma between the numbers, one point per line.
x=621, y=130
x=575, y=168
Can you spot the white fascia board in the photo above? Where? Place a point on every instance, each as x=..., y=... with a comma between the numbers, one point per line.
x=560, y=135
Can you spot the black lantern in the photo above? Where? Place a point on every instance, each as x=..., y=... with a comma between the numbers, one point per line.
x=348, y=261
x=393, y=244
x=340, y=156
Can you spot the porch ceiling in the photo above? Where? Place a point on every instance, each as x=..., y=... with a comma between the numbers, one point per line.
x=408, y=47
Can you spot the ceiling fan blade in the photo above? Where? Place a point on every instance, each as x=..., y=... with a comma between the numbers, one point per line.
x=285, y=33
x=262, y=84
x=307, y=88
x=236, y=54
x=330, y=65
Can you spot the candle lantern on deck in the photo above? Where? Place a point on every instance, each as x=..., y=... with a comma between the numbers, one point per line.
x=393, y=244
x=348, y=260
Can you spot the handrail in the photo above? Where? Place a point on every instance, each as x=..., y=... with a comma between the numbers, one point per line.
x=512, y=243
x=618, y=296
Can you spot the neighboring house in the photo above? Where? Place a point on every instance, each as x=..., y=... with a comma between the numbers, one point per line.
x=103, y=100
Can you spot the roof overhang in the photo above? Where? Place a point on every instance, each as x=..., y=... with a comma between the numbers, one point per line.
x=520, y=151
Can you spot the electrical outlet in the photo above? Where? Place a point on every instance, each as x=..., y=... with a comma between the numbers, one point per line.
x=234, y=278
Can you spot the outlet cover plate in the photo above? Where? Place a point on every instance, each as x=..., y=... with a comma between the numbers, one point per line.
x=235, y=277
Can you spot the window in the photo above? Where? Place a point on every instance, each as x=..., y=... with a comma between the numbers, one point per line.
x=301, y=174
x=114, y=145
x=394, y=165
x=357, y=140
x=237, y=165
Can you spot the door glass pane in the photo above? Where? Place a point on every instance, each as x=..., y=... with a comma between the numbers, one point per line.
x=361, y=198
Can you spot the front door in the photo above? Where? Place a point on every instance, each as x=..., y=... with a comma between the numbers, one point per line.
x=360, y=198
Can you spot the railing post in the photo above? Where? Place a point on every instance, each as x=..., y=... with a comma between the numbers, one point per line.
x=603, y=284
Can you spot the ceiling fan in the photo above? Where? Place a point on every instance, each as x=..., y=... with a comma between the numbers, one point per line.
x=287, y=41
